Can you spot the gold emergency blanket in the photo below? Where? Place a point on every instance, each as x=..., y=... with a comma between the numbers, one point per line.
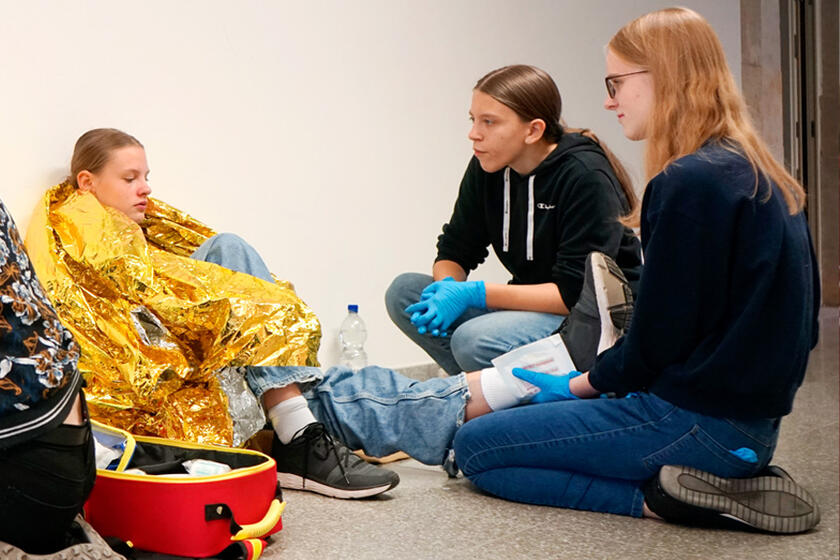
x=154, y=325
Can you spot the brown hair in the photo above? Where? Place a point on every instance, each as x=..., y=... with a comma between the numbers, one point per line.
x=532, y=94
x=696, y=98
x=94, y=147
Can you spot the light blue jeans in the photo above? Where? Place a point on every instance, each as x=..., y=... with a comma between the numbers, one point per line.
x=477, y=336
x=375, y=409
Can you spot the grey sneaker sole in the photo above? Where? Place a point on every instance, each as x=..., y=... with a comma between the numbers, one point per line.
x=297, y=482
x=614, y=299
x=768, y=503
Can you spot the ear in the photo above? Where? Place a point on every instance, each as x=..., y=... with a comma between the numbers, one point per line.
x=85, y=181
x=536, y=129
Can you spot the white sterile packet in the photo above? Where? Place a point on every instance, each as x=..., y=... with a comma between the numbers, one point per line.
x=547, y=355
x=205, y=467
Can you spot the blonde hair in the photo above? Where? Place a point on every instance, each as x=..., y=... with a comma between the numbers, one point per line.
x=695, y=95
x=532, y=94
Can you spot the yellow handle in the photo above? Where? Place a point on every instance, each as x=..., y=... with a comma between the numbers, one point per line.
x=260, y=528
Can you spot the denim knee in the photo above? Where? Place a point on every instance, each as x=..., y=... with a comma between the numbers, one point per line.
x=473, y=348
x=463, y=445
x=211, y=248
x=404, y=290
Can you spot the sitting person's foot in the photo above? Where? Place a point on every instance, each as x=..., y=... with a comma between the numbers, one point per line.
x=602, y=313
x=316, y=461
x=771, y=501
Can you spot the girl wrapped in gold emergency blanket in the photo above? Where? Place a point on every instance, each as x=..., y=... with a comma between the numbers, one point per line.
x=154, y=325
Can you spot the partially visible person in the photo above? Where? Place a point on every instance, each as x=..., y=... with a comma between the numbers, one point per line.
x=725, y=318
x=544, y=196
x=47, y=465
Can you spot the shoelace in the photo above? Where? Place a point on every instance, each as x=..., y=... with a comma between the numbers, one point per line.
x=316, y=433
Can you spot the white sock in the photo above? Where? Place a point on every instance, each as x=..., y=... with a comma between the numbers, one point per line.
x=289, y=417
x=497, y=393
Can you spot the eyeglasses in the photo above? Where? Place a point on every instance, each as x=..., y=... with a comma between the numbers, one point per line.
x=611, y=86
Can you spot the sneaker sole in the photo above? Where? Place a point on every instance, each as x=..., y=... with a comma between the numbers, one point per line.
x=768, y=503
x=613, y=299
x=297, y=482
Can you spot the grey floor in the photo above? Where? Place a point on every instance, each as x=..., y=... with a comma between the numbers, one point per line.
x=430, y=516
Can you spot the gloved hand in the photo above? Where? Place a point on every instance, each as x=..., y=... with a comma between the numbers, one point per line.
x=442, y=302
x=552, y=387
x=427, y=293
x=430, y=290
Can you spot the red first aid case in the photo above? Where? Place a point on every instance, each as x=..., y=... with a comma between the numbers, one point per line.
x=164, y=509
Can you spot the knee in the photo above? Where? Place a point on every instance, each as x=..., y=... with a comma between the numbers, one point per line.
x=404, y=290
x=223, y=242
x=471, y=346
x=463, y=443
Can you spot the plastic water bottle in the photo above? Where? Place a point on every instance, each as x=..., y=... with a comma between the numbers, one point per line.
x=352, y=336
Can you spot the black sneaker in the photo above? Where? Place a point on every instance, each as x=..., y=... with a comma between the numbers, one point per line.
x=316, y=461
x=771, y=502
x=602, y=313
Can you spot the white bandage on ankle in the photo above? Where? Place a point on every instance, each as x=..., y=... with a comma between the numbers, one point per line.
x=497, y=393
x=289, y=417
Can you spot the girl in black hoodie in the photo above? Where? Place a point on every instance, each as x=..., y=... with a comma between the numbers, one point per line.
x=544, y=197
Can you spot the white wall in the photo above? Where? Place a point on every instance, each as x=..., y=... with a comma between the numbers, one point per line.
x=331, y=135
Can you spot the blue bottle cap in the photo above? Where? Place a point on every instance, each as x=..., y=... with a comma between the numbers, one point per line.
x=353, y=308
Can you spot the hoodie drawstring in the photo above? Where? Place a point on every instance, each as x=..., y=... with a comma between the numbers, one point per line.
x=506, y=210
x=529, y=250
x=530, y=247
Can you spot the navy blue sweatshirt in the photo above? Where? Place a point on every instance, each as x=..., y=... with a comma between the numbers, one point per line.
x=728, y=299
x=574, y=200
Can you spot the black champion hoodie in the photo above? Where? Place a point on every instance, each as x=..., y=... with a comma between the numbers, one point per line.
x=543, y=225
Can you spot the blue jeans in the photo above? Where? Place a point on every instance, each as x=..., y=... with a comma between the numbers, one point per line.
x=232, y=252
x=596, y=454
x=478, y=336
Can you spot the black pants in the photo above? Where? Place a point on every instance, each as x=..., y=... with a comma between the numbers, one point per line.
x=44, y=483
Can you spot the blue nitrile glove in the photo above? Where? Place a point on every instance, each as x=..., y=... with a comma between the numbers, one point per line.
x=430, y=290
x=446, y=301
x=745, y=454
x=552, y=387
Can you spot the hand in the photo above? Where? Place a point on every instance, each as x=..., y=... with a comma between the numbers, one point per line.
x=552, y=387
x=428, y=292
x=443, y=302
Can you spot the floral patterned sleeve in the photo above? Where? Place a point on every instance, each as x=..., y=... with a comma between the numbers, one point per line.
x=37, y=354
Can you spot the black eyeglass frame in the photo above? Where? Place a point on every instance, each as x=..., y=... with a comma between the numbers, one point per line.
x=611, y=87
